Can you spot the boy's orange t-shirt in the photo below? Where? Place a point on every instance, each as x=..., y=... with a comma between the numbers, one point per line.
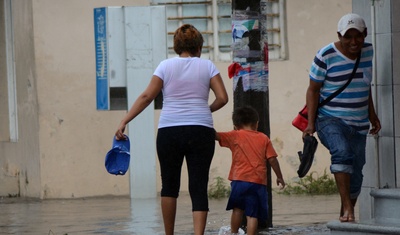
x=250, y=151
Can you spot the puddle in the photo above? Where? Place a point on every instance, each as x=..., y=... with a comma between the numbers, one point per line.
x=121, y=215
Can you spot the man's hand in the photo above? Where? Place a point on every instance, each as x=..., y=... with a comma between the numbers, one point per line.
x=376, y=125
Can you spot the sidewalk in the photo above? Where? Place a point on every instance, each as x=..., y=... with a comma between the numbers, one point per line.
x=296, y=215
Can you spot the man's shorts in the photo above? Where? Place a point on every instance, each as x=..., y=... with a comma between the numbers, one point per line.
x=347, y=149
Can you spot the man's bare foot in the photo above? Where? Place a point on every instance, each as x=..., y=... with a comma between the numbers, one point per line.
x=343, y=219
x=346, y=217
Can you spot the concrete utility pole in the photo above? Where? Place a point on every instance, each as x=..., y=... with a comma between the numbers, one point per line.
x=250, y=68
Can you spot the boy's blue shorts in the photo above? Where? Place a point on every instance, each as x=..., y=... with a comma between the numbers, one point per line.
x=250, y=197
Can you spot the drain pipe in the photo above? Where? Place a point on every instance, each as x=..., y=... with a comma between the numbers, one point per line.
x=215, y=29
x=374, y=91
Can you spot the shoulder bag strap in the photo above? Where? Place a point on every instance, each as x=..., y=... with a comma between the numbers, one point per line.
x=325, y=101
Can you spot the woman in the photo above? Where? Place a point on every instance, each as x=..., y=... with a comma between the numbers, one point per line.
x=185, y=128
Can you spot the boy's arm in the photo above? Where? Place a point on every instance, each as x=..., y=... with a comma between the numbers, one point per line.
x=274, y=163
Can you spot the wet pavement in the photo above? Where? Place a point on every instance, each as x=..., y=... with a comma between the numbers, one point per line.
x=296, y=215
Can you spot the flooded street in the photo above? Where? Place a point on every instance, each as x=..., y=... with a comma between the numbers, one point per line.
x=121, y=215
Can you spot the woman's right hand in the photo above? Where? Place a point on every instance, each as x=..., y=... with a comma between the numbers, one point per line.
x=119, y=134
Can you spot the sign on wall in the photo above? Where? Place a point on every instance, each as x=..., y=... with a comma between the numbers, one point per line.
x=100, y=35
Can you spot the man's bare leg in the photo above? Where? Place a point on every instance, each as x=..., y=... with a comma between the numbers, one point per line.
x=343, y=184
x=353, y=203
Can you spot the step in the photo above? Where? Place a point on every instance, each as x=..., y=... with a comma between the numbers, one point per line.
x=386, y=217
x=368, y=228
x=386, y=205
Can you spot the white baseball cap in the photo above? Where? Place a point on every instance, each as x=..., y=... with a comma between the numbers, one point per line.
x=351, y=21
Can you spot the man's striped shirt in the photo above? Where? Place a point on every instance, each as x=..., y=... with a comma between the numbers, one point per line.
x=333, y=69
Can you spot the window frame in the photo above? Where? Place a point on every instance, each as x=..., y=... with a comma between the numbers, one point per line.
x=212, y=33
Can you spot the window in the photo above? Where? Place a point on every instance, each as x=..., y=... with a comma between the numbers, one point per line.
x=213, y=19
x=8, y=100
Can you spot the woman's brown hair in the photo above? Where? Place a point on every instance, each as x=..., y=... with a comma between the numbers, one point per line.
x=187, y=38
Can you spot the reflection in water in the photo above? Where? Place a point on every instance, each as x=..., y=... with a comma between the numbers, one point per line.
x=146, y=216
x=123, y=216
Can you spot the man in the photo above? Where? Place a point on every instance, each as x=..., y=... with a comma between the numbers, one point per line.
x=343, y=123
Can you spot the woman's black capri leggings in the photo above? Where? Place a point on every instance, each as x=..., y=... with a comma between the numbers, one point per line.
x=194, y=143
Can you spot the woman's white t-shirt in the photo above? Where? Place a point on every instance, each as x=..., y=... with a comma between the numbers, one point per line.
x=186, y=88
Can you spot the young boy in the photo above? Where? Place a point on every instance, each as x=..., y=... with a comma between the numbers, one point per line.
x=250, y=151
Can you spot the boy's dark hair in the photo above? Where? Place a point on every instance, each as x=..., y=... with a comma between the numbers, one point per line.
x=245, y=115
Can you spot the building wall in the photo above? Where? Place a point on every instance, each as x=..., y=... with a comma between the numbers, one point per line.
x=381, y=169
x=74, y=136
x=19, y=161
x=64, y=138
x=288, y=81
